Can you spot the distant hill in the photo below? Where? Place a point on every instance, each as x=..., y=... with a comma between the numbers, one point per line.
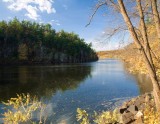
x=128, y=50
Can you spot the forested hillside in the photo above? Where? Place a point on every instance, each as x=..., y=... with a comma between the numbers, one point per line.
x=30, y=42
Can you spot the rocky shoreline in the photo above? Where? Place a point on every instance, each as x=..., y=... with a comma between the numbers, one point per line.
x=131, y=112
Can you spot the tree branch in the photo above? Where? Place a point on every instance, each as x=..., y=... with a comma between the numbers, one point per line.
x=96, y=9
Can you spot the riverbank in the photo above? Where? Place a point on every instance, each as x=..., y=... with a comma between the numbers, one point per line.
x=138, y=110
x=133, y=58
x=135, y=110
x=43, y=63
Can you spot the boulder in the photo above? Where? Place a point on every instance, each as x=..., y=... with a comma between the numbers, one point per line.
x=138, y=115
x=133, y=109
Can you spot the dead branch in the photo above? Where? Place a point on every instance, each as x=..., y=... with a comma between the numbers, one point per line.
x=95, y=11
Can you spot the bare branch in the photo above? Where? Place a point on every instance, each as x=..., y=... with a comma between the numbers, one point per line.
x=114, y=5
x=96, y=9
x=113, y=32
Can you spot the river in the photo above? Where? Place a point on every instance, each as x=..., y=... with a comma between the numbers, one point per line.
x=94, y=86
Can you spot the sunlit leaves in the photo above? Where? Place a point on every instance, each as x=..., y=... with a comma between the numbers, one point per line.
x=106, y=117
x=21, y=108
x=151, y=116
x=82, y=116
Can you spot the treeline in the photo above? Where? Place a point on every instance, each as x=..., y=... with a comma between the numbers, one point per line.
x=31, y=42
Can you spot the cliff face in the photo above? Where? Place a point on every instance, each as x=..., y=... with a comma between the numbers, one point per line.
x=42, y=55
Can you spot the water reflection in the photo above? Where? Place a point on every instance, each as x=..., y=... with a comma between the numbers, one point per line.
x=144, y=83
x=40, y=81
x=96, y=86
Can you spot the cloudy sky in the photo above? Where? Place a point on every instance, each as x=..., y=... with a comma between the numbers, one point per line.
x=70, y=15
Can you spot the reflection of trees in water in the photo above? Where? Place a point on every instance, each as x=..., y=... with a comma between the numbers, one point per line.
x=40, y=81
x=144, y=83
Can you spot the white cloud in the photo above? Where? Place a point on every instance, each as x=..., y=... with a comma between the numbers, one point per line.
x=56, y=22
x=31, y=6
x=32, y=12
x=46, y=5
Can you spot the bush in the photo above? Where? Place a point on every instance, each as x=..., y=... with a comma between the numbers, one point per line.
x=21, y=108
x=105, y=117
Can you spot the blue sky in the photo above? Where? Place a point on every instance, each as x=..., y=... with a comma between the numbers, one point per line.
x=69, y=15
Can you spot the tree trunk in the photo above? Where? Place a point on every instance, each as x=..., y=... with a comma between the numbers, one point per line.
x=152, y=73
x=156, y=17
x=144, y=33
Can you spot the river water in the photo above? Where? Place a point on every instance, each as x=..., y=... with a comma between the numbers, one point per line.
x=94, y=86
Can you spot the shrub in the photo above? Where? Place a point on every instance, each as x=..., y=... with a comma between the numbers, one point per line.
x=105, y=117
x=21, y=108
x=82, y=116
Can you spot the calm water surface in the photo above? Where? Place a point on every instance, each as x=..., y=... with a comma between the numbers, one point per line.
x=100, y=85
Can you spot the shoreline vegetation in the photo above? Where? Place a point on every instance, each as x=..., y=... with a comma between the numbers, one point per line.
x=138, y=110
x=132, y=56
x=29, y=43
x=146, y=113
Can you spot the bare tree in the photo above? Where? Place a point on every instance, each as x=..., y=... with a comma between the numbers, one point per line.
x=144, y=33
x=148, y=62
x=142, y=44
x=156, y=17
